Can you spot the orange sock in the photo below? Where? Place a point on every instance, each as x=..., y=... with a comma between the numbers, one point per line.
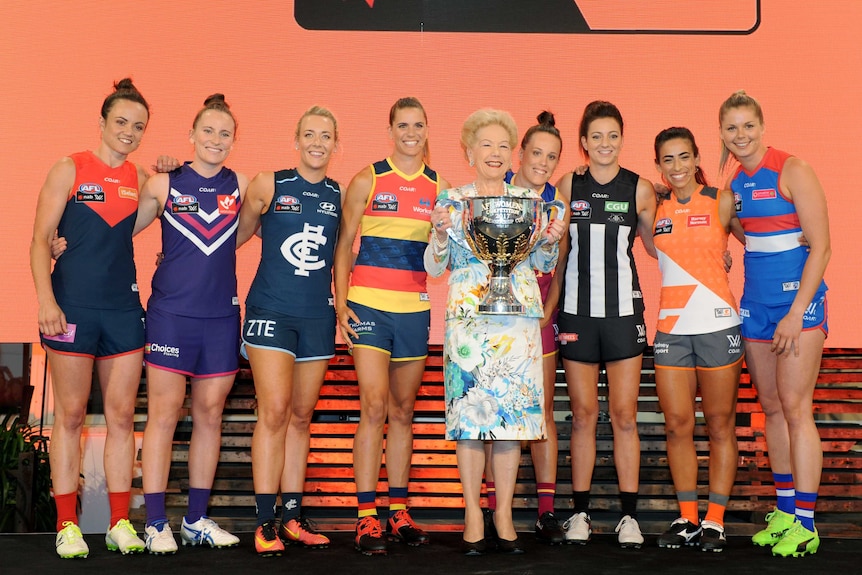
x=715, y=512
x=688, y=511
x=67, y=509
x=119, y=501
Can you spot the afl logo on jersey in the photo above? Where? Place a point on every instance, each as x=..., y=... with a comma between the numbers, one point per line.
x=581, y=209
x=737, y=201
x=663, y=226
x=385, y=202
x=287, y=205
x=184, y=204
x=89, y=193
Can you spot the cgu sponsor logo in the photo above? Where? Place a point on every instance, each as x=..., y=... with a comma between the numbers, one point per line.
x=618, y=207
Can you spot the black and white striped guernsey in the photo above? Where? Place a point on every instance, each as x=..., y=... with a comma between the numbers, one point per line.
x=601, y=278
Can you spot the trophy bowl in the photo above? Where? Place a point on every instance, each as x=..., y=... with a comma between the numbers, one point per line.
x=501, y=231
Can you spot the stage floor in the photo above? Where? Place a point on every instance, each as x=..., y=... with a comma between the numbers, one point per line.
x=34, y=553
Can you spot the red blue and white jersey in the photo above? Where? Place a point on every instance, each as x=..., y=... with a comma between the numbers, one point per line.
x=773, y=256
x=97, y=270
x=197, y=277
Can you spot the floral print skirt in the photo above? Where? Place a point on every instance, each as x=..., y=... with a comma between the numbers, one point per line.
x=494, y=381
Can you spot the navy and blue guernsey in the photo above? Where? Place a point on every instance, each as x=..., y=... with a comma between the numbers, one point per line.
x=298, y=232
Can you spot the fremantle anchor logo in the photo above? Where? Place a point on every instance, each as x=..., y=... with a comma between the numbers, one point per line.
x=300, y=249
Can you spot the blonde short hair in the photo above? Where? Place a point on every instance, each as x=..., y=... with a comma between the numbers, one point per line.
x=488, y=117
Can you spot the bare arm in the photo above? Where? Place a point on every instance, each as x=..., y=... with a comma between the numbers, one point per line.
x=49, y=209
x=646, y=208
x=258, y=196
x=151, y=201
x=800, y=183
x=351, y=216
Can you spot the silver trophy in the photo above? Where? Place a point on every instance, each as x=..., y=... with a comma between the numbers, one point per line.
x=501, y=231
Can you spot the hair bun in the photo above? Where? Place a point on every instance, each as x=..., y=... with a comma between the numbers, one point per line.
x=546, y=118
x=216, y=99
x=125, y=85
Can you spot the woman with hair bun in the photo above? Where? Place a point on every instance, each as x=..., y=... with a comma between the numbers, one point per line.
x=192, y=322
x=539, y=156
x=90, y=311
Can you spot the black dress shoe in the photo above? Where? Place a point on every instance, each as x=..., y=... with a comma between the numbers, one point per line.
x=490, y=528
x=474, y=548
x=512, y=547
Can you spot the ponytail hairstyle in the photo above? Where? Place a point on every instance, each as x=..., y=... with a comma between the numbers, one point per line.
x=593, y=111
x=681, y=134
x=215, y=102
x=546, y=124
x=123, y=90
x=738, y=99
x=411, y=102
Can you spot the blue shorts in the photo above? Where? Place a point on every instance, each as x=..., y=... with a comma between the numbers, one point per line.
x=196, y=347
x=698, y=351
x=598, y=339
x=404, y=336
x=306, y=339
x=99, y=333
x=759, y=320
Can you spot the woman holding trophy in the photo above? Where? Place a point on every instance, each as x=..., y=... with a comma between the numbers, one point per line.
x=492, y=349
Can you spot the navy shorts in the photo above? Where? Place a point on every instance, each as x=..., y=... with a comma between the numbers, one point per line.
x=598, y=339
x=759, y=320
x=307, y=339
x=404, y=336
x=192, y=346
x=99, y=333
x=705, y=351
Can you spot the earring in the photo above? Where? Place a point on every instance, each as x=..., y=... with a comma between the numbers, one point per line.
x=471, y=163
x=296, y=146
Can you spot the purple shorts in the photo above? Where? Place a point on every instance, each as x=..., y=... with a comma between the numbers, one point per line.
x=193, y=346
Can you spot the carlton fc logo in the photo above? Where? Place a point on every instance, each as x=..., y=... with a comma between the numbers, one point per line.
x=524, y=16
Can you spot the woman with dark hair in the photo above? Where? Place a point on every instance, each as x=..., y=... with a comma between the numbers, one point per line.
x=384, y=315
x=192, y=323
x=90, y=311
x=783, y=309
x=697, y=342
x=601, y=312
x=493, y=362
x=538, y=157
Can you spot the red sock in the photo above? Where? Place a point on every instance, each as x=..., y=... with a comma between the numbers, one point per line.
x=492, y=495
x=546, y=493
x=67, y=509
x=119, y=501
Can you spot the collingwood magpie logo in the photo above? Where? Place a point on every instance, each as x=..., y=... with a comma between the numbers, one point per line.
x=300, y=249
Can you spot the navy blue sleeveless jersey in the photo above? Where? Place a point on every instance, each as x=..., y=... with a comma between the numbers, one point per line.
x=298, y=234
x=601, y=278
x=97, y=270
x=197, y=277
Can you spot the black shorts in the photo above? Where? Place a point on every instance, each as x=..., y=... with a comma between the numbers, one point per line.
x=598, y=339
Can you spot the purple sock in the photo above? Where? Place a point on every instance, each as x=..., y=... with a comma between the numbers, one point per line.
x=155, y=504
x=198, y=501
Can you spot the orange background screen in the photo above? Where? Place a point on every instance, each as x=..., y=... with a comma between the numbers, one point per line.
x=58, y=60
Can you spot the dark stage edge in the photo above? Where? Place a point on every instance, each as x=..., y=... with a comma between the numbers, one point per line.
x=34, y=554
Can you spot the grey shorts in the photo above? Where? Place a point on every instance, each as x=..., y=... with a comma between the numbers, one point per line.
x=705, y=351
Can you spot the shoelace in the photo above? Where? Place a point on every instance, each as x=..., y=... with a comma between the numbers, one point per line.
x=268, y=530
x=370, y=527
x=307, y=524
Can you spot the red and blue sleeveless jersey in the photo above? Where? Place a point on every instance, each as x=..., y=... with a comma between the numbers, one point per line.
x=97, y=270
x=773, y=256
x=197, y=277
x=389, y=272
x=298, y=234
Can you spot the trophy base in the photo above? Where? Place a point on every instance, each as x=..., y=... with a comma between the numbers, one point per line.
x=501, y=308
